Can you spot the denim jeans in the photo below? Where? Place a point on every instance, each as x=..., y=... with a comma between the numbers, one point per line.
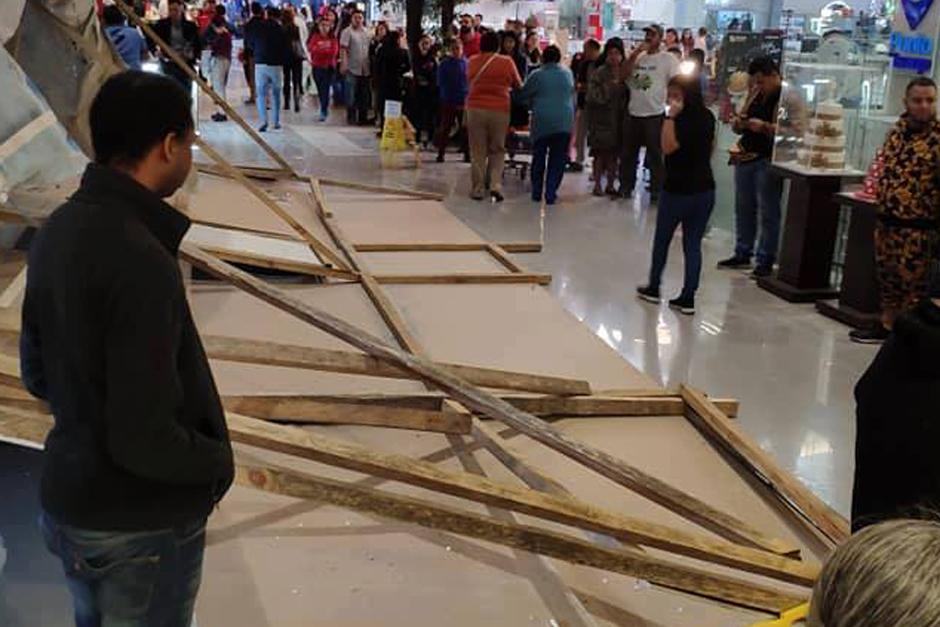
x=692, y=211
x=757, y=191
x=358, y=98
x=554, y=148
x=268, y=78
x=323, y=77
x=130, y=579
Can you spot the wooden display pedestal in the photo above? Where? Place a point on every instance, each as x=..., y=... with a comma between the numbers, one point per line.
x=809, y=235
x=858, y=304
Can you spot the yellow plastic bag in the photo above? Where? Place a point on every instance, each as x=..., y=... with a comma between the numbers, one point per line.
x=789, y=618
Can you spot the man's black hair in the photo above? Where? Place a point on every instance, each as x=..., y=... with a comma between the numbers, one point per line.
x=112, y=16
x=256, y=8
x=698, y=55
x=489, y=42
x=592, y=43
x=359, y=11
x=274, y=13
x=133, y=112
x=920, y=81
x=220, y=10
x=763, y=65
x=551, y=54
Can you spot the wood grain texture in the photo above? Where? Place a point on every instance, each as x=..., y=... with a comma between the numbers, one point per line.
x=565, y=510
x=465, y=278
x=204, y=86
x=325, y=360
x=478, y=400
x=446, y=247
x=259, y=260
x=499, y=254
x=595, y=405
x=810, y=509
x=515, y=535
x=301, y=410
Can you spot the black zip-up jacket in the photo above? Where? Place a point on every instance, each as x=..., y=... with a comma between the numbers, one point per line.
x=108, y=340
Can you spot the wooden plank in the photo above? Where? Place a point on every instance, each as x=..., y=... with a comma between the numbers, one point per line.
x=26, y=134
x=445, y=247
x=204, y=86
x=382, y=189
x=525, y=537
x=569, y=511
x=595, y=405
x=318, y=247
x=261, y=174
x=14, y=291
x=427, y=401
x=287, y=409
x=495, y=278
x=260, y=260
x=478, y=400
x=811, y=510
x=10, y=372
x=496, y=251
x=325, y=360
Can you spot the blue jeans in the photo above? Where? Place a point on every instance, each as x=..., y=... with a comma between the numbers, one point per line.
x=555, y=148
x=268, y=77
x=130, y=579
x=692, y=212
x=757, y=191
x=323, y=77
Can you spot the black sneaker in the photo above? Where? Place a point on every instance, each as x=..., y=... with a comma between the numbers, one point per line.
x=734, y=263
x=263, y=128
x=762, y=271
x=683, y=304
x=649, y=294
x=496, y=197
x=872, y=335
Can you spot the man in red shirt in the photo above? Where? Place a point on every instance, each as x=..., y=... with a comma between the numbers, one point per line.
x=471, y=41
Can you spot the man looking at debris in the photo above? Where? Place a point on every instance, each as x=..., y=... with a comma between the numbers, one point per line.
x=139, y=453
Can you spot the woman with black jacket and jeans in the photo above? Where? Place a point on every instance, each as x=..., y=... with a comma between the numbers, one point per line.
x=688, y=196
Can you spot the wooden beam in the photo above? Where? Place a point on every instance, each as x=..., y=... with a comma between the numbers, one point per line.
x=515, y=535
x=286, y=409
x=493, y=278
x=478, y=400
x=319, y=248
x=595, y=405
x=259, y=260
x=445, y=247
x=204, y=86
x=811, y=510
x=262, y=174
x=569, y=511
x=496, y=252
x=428, y=402
x=324, y=360
x=382, y=189
x=14, y=291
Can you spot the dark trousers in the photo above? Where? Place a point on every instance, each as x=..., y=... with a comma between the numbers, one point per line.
x=639, y=133
x=553, y=149
x=176, y=73
x=130, y=578
x=692, y=212
x=358, y=98
x=757, y=193
x=423, y=109
x=248, y=65
x=447, y=116
x=293, y=79
x=323, y=77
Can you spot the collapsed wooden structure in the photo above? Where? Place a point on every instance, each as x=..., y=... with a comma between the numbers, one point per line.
x=301, y=235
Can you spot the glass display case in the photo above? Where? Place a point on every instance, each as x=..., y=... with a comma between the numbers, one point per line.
x=820, y=125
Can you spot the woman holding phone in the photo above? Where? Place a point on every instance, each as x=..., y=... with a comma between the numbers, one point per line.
x=688, y=196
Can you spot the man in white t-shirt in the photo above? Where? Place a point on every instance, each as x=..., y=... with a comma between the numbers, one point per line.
x=354, y=65
x=648, y=70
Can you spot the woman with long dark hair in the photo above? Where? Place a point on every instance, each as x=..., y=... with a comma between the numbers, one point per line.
x=293, y=59
x=393, y=63
x=424, y=91
x=509, y=46
x=604, y=102
x=688, y=196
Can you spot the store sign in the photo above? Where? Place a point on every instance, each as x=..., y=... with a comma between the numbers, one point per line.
x=915, y=11
x=911, y=52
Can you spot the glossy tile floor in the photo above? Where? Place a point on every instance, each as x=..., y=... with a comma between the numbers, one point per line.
x=792, y=369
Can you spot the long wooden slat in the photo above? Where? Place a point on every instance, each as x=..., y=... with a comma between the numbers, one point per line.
x=281, y=409
x=596, y=405
x=496, y=252
x=478, y=400
x=569, y=511
x=251, y=172
x=427, y=401
x=811, y=510
x=465, y=278
x=259, y=260
x=204, y=86
x=318, y=247
x=291, y=356
x=515, y=535
x=382, y=189
x=446, y=247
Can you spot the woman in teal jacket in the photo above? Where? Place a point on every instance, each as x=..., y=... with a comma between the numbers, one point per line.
x=549, y=92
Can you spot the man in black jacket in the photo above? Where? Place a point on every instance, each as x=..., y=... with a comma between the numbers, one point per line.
x=182, y=36
x=139, y=453
x=897, y=465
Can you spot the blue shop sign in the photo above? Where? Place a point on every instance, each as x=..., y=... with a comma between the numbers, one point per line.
x=915, y=11
x=904, y=45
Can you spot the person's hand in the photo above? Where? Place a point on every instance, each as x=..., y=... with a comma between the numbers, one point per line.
x=675, y=106
x=640, y=49
x=755, y=125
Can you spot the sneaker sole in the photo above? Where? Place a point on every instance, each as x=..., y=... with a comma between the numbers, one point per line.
x=684, y=310
x=650, y=299
x=735, y=267
x=858, y=340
